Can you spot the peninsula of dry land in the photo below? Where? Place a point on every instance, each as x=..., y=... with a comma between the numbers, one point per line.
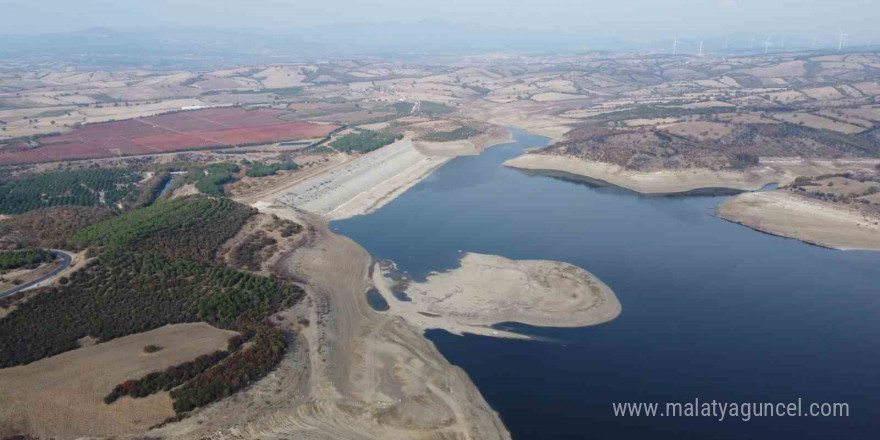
x=490, y=289
x=837, y=212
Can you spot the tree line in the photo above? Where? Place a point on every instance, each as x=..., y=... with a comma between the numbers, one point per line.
x=364, y=141
x=171, y=377
x=240, y=370
x=458, y=134
x=28, y=258
x=214, y=376
x=259, y=169
x=211, y=179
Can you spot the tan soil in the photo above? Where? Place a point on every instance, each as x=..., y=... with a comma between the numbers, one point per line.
x=185, y=190
x=24, y=276
x=265, y=226
x=77, y=261
x=268, y=188
x=815, y=121
x=467, y=147
x=555, y=96
x=356, y=374
x=813, y=221
x=61, y=396
x=534, y=117
x=771, y=170
x=700, y=130
x=489, y=289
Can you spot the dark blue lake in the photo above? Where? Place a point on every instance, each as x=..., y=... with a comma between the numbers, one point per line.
x=711, y=310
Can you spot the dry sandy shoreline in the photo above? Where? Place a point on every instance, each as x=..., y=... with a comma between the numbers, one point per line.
x=812, y=221
x=490, y=289
x=466, y=147
x=354, y=373
x=771, y=170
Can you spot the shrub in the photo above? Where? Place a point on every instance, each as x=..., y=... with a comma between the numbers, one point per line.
x=364, y=141
x=213, y=177
x=235, y=373
x=51, y=227
x=29, y=258
x=158, y=381
x=744, y=160
x=454, y=135
x=257, y=169
x=209, y=378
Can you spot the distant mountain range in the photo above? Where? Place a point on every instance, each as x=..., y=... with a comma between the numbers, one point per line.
x=171, y=46
x=214, y=47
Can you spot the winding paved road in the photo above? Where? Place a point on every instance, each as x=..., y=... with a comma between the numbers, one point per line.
x=66, y=259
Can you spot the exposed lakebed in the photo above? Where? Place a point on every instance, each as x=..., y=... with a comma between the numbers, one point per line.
x=711, y=309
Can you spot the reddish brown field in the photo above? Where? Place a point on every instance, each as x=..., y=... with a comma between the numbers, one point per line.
x=166, y=133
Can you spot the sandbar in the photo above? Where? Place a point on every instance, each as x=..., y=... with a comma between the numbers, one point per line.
x=490, y=289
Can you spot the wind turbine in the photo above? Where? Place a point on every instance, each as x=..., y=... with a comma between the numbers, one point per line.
x=701, y=48
x=841, y=39
x=726, y=40
x=674, y=44
x=767, y=44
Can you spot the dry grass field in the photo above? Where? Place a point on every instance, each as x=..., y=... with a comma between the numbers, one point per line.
x=787, y=69
x=61, y=396
x=281, y=76
x=866, y=113
x=700, y=130
x=650, y=122
x=554, y=96
x=788, y=97
x=842, y=186
x=823, y=93
x=815, y=121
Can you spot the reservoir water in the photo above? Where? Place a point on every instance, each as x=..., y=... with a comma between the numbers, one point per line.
x=711, y=309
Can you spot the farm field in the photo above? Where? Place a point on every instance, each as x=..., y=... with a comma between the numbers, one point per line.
x=815, y=121
x=61, y=395
x=165, y=133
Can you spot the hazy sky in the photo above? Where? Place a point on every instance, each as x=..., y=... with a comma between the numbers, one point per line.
x=634, y=18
